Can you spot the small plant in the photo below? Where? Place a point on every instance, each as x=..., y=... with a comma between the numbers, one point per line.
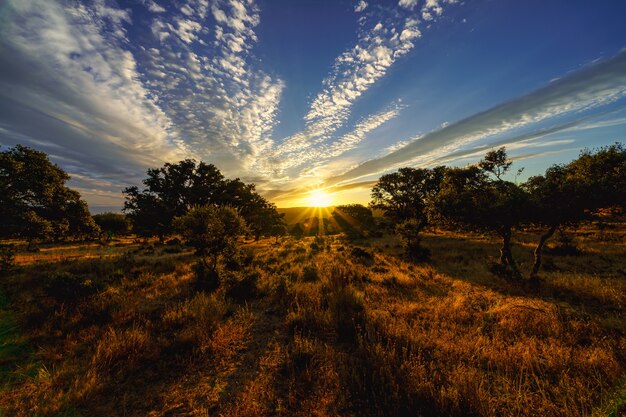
x=409, y=233
x=213, y=232
x=66, y=287
x=173, y=242
x=309, y=273
x=565, y=246
x=242, y=287
x=207, y=279
x=362, y=256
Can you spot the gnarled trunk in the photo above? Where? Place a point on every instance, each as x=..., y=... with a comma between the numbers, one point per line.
x=539, y=250
x=506, y=256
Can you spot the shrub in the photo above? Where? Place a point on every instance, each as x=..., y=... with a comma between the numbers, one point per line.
x=346, y=309
x=173, y=242
x=417, y=253
x=362, y=256
x=207, y=278
x=242, y=288
x=120, y=350
x=7, y=258
x=565, y=246
x=309, y=273
x=66, y=287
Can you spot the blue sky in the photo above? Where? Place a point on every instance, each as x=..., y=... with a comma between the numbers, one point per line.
x=296, y=95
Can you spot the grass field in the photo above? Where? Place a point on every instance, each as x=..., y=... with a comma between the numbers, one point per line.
x=315, y=327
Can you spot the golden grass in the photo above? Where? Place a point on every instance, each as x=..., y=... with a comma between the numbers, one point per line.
x=325, y=332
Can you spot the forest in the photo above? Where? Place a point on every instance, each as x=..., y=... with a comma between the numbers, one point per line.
x=457, y=291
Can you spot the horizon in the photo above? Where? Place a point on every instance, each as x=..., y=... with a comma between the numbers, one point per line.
x=318, y=95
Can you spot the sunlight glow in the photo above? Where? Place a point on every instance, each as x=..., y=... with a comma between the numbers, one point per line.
x=319, y=198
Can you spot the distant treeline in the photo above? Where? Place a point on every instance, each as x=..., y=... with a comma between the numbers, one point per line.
x=35, y=203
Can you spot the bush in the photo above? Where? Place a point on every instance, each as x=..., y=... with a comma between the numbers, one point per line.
x=362, y=256
x=242, y=288
x=346, y=309
x=7, y=258
x=173, y=242
x=415, y=252
x=66, y=287
x=309, y=273
x=206, y=278
x=565, y=246
x=119, y=351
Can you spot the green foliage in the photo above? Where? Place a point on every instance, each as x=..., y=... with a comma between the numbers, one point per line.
x=207, y=279
x=34, y=201
x=212, y=231
x=496, y=163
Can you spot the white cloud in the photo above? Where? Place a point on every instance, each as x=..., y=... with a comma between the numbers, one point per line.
x=409, y=4
x=594, y=87
x=361, y=5
x=154, y=7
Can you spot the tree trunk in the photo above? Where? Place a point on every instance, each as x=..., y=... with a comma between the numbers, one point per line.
x=506, y=255
x=539, y=250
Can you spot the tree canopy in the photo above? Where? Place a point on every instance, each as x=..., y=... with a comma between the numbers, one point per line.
x=472, y=198
x=35, y=203
x=173, y=189
x=404, y=195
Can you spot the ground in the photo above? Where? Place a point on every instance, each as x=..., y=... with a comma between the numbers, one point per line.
x=316, y=327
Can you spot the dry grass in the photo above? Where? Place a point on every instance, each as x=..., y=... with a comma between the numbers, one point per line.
x=315, y=328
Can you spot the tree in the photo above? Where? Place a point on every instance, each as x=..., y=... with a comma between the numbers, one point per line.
x=472, y=198
x=278, y=230
x=172, y=190
x=405, y=194
x=602, y=173
x=555, y=200
x=35, y=203
x=212, y=231
x=568, y=194
x=355, y=220
x=408, y=231
x=112, y=223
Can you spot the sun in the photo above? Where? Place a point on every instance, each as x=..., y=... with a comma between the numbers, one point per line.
x=319, y=198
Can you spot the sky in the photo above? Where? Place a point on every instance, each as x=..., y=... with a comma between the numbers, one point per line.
x=304, y=95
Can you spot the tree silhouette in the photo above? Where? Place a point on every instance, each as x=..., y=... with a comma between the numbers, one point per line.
x=112, y=223
x=172, y=190
x=212, y=231
x=472, y=198
x=568, y=194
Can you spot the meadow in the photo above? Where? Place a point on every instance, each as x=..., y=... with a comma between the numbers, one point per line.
x=317, y=326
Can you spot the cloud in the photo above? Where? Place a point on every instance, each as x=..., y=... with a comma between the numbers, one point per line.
x=361, y=5
x=117, y=102
x=409, y=4
x=598, y=85
x=384, y=37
